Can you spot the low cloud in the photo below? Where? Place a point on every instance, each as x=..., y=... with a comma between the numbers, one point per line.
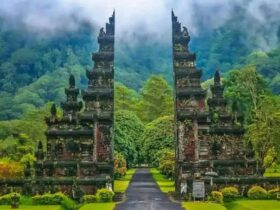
x=145, y=18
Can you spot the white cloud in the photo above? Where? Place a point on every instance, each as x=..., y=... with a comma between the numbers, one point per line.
x=141, y=17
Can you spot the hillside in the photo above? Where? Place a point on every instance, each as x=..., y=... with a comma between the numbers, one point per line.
x=34, y=68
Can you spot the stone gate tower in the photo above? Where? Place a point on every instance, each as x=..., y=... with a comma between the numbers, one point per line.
x=79, y=153
x=210, y=151
x=191, y=117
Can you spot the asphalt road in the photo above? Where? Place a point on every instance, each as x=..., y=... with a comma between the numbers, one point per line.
x=144, y=194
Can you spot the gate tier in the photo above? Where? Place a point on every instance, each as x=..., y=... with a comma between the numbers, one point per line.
x=209, y=139
x=79, y=153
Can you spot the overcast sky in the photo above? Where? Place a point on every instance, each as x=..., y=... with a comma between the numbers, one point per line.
x=150, y=17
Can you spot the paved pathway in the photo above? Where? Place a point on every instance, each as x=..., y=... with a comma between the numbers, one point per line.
x=144, y=194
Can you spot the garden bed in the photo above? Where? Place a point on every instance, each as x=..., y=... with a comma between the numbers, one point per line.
x=28, y=207
x=98, y=206
x=253, y=205
x=166, y=185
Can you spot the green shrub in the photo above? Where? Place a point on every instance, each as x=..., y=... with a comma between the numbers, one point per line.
x=105, y=195
x=119, y=166
x=167, y=162
x=15, y=198
x=26, y=200
x=7, y=199
x=273, y=192
x=230, y=193
x=89, y=198
x=217, y=197
x=49, y=199
x=69, y=204
x=257, y=192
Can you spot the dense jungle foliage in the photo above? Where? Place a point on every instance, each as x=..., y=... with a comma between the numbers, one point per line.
x=34, y=71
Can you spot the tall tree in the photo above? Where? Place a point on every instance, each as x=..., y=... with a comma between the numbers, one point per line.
x=125, y=98
x=264, y=131
x=128, y=132
x=155, y=99
x=158, y=135
x=245, y=86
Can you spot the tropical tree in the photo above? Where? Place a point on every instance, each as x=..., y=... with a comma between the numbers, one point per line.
x=125, y=98
x=245, y=86
x=158, y=135
x=156, y=99
x=128, y=131
x=264, y=131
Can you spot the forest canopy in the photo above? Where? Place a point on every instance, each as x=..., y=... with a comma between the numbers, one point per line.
x=34, y=71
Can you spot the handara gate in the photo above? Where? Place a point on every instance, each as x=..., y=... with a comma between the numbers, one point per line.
x=79, y=155
x=210, y=151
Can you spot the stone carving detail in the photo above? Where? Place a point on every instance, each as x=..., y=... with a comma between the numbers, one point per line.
x=106, y=47
x=227, y=147
x=73, y=146
x=103, y=143
x=59, y=149
x=185, y=32
x=77, y=142
x=185, y=141
x=103, y=65
x=184, y=64
x=92, y=105
x=209, y=138
x=179, y=48
x=102, y=82
x=181, y=140
x=183, y=82
x=187, y=104
x=86, y=172
x=102, y=32
x=106, y=105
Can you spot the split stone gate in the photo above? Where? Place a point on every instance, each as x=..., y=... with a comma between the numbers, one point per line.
x=210, y=151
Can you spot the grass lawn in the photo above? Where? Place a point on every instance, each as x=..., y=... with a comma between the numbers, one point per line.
x=236, y=205
x=164, y=184
x=272, y=172
x=98, y=206
x=122, y=183
x=26, y=207
x=120, y=186
x=254, y=205
x=202, y=206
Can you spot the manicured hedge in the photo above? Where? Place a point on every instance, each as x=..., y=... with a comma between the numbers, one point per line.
x=7, y=199
x=105, y=195
x=55, y=199
x=217, y=197
x=258, y=193
x=69, y=204
x=49, y=199
x=89, y=199
x=273, y=192
x=230, y=193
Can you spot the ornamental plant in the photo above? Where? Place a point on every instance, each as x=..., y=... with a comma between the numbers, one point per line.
x=257, y=193
x=49, y=199
x=7, y=198
x=273, y=192
x=10, y=169
x=119, y=166
x=89, y=199
x=69, y=204
x=167, y=162
x=105, y=195
x=15, y=198
x=217, y=197
x=230, y=193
